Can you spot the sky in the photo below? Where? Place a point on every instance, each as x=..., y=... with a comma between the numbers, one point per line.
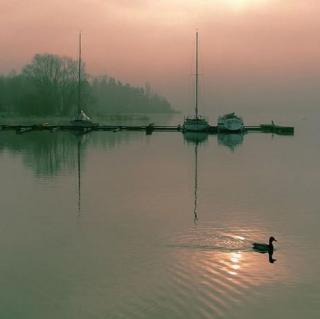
x=253, y=53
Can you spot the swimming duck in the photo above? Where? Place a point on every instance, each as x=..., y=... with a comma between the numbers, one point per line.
x=264, y=248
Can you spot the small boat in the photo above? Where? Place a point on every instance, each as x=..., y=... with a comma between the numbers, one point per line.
x=196, y=123
x=230, y=123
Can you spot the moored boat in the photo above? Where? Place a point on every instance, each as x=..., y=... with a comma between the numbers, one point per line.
x=82, y=119
x=230, y=123
x=195, y=124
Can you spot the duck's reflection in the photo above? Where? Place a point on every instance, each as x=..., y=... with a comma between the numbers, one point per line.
x=271, y=259
x=270, y=256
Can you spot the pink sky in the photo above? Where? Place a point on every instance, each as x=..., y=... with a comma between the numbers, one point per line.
x=265, y=44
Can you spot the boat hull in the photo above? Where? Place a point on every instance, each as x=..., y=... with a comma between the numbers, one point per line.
x=230, y=123
x=83, y=120
x=195, y=125
x=83, y=123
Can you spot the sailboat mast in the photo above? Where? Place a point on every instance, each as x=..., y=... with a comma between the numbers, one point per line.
x=79, y=76
x=197, y=72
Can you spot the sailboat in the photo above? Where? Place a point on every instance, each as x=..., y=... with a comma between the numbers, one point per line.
x=81, y=119
x=196, y=123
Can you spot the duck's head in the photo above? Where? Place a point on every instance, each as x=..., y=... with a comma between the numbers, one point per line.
x=271, y=240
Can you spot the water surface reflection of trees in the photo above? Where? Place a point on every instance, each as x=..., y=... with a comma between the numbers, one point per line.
x=49, y=154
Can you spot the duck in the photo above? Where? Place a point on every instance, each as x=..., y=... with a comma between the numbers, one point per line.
x=264, y=248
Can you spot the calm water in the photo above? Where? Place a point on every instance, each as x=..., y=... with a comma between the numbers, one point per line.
x=103, y=225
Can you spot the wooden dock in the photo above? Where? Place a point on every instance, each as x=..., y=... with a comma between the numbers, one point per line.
x=148, y=129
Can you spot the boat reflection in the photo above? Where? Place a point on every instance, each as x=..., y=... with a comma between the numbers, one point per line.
x=195, y=138
x=230, y=140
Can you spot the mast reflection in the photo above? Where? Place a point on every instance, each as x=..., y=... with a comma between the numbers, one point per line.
x=81, y=140
x=196, y=139
x=196, y=184
x=79, y=174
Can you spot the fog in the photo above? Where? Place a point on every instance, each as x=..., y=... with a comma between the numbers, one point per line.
x=253, y=53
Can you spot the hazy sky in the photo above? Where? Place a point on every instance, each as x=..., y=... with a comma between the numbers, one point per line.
x=251, y=51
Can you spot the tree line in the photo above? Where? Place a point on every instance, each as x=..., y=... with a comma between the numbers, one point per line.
x=48, y=86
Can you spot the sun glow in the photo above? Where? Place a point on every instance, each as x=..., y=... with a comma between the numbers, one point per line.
x=243, y=4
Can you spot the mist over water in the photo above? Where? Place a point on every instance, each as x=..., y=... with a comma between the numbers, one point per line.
x=102, y=225
x=124, y=225
x=252, y=52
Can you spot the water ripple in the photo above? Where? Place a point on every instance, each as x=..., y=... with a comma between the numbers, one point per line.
x=207, y=272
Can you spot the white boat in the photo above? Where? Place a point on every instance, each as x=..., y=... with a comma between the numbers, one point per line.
x=82, y=119
x=230, y=123
x=196, y=123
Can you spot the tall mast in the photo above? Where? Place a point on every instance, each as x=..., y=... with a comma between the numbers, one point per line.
x=79, y=76
x=197, y=72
